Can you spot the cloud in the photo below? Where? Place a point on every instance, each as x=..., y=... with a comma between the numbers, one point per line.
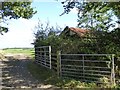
x=74, y=10
x=20, y=34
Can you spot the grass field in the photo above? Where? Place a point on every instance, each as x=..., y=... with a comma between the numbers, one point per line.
x=26, y=51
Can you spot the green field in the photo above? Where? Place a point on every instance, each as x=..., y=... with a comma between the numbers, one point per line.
x=26, y=51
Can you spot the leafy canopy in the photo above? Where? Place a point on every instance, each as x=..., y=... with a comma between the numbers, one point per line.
x=94, y=15
x=14, y=10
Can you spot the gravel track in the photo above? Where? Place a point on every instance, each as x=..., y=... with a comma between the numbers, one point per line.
x=16, y=75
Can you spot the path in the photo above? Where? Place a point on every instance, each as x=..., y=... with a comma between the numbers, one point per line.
x=16, y=75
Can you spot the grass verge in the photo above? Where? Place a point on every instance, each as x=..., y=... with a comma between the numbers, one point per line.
x=43, y=74
x=48, y=76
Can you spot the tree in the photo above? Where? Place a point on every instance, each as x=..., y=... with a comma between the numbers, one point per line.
x=94, y=14
x=99, y=16
x=45, y=34
x=14, y=10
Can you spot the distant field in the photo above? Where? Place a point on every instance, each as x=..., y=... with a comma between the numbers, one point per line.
x=25, y=51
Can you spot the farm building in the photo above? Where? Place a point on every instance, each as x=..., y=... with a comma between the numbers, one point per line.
x=74, y=32
x=75, y=40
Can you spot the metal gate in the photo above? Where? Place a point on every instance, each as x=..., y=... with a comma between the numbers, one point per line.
x=88, y=67
x=83, y=67
x=43, y=56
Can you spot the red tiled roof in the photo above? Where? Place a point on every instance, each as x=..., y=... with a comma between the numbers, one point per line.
x=79, y=31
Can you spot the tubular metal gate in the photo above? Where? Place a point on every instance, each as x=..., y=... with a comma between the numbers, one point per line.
x=88, y=67
x=83, y=67
x=43, y=56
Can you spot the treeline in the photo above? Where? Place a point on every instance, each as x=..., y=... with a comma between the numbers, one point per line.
x=16, y=48
x=106, y=42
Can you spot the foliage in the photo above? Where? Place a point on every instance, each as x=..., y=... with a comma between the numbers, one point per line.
x=94, y=15
x=45, y=34
x=50, y=77
x=15, y=10
x=104, y=82
x=98, y=17
x=48, y=35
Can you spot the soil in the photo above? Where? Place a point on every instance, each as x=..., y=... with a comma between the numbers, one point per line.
x=15, y=75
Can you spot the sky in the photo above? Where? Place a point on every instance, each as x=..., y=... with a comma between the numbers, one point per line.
x=21, y=30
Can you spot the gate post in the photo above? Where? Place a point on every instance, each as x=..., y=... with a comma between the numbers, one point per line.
x=113, y=71
x=50, y=56
x=59, y=63
x=83, y=67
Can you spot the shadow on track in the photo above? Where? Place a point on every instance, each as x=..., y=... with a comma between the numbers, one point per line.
x=16, y=75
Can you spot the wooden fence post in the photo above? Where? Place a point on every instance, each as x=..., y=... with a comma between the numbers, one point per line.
x=58, y=63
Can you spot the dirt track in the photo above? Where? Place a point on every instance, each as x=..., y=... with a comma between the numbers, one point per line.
x=16, y=75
